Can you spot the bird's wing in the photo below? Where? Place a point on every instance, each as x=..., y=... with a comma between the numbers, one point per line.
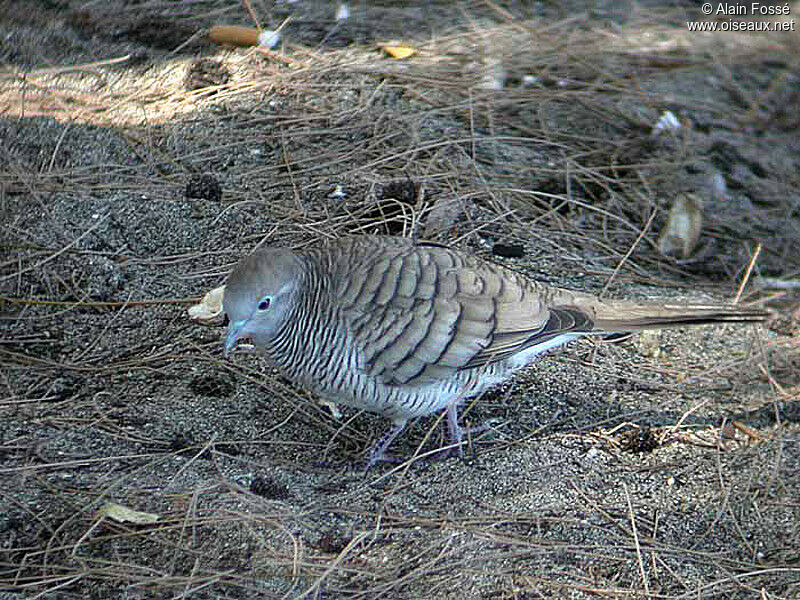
x=420, y=312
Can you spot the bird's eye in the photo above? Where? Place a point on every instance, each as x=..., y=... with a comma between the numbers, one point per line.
x=264, y=304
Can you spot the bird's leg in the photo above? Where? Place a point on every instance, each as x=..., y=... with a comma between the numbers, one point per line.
x=455, y=431
x=378, y=451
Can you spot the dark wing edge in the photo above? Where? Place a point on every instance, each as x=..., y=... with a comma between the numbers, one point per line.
x=562, y=321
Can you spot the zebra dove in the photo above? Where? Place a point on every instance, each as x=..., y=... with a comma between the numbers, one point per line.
x=405, y=329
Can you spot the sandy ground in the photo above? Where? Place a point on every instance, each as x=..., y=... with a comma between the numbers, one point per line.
x=140, y=162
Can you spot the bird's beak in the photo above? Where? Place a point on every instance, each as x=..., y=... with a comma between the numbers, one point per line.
x=234, y=333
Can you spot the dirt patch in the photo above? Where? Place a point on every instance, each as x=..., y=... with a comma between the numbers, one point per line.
x=140, y=162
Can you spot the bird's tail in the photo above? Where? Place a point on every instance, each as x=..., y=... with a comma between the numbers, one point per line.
x=620, y=316
x=639, y=317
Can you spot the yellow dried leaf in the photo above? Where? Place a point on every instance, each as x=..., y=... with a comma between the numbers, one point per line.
x=399, y=52
x=123, y=514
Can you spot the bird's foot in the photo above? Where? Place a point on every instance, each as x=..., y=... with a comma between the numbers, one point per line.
x=378, y=451
x=457, y=432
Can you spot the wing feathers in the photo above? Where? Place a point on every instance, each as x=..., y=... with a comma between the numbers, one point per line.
x=420, y=312
x=423, y=312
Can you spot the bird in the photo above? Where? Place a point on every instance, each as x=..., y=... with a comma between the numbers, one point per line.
x=406, y=328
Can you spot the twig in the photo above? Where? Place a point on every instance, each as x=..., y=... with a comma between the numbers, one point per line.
x=636, y=541
x=69, y=69
x=97, y=303
x=628, y=253
x=746, y=277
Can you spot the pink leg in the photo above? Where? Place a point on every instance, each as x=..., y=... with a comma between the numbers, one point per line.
x=455, y=430
x=378, y=451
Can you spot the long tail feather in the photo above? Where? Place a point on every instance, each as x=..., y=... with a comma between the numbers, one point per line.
x=635, y=318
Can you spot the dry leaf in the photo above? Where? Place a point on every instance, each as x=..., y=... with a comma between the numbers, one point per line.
x=399, y=52
x=123, y=514
x=682, y=231
x=209, y=311
x=650, y=343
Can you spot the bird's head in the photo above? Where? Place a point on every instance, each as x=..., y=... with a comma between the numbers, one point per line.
x=259, y=294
